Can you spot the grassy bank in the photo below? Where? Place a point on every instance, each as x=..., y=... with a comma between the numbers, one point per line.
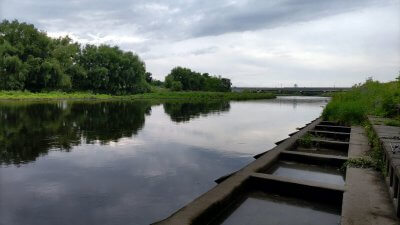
x=165, y=95
x=353, y=107
x=370, y=98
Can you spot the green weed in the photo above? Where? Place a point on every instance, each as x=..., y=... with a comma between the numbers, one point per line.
x=370, y=98
x=305, y=141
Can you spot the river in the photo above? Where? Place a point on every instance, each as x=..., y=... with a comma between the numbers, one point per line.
x=129, y=162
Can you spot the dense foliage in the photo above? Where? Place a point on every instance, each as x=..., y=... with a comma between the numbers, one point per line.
x=30, y=60
x=370, y=98
x=185, y=79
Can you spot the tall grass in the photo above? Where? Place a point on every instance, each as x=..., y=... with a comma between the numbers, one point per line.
x=370, y=98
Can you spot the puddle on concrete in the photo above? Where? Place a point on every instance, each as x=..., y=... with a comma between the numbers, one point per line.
x=265, y=209
x=301, y=171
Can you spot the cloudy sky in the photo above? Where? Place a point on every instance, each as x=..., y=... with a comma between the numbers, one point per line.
x=253, y=42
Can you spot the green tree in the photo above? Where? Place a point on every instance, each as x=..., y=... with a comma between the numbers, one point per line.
x=110, y=70
x=31, y=60
x=13, y=73
x=176, y=86
x=29, y=63
x=194, y=81
x=149, y=77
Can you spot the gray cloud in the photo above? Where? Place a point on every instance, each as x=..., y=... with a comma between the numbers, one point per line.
x=173, y=19
x=254, y=15
x=207, y=50
x=251, y=41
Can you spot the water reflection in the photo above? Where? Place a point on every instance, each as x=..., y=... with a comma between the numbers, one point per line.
x=184, y=111
x=301, y=100
x=128, y=162
x=29, y=130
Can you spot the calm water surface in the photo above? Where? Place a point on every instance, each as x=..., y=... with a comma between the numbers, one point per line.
x=129, y=162
x=282, y=210
x=302, y=171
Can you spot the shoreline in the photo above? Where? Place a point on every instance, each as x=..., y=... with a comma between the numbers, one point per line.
x=189, y=95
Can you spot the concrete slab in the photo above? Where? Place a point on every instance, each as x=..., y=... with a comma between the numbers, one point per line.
x=386, y=131
x=381, y=129
x=357, y=130
x=366, y=199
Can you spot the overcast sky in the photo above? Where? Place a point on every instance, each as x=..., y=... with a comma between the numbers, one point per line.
x=252, y=42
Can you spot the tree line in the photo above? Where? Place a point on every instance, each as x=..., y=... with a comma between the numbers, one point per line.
x=185, y=79
x=31, y=60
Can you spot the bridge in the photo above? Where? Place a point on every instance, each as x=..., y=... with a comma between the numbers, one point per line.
x=291, y=90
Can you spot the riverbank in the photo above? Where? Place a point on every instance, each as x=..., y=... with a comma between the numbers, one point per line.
x=371, y=98
x=192, y=95
x=353, y=108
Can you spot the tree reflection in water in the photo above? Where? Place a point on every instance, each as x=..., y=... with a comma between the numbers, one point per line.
x=185, y=111
x=30, y=129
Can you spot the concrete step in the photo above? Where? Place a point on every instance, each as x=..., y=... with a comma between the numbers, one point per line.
x=333, y=128
x=331, y=134
x=330, y=144
x=320, y=151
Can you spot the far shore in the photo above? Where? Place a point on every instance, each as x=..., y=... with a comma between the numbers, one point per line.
x=168, y=95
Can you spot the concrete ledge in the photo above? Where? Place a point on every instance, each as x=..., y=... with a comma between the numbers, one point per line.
x=321, y=151
x=330, y=123
x=322, y=156
x=358, y=146
x=389, y=136
x=366, y=199
x=337, y=145
x=332, y=134
x=313, y=158
x=295, y=182
x=333, y=128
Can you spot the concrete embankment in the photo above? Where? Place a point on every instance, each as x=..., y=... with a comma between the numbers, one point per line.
x=300, y=181
x=366, y=200
x=389, y=140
